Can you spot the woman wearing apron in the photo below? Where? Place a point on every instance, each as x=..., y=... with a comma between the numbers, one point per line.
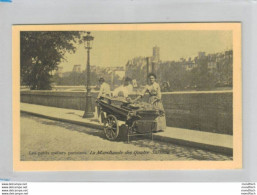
x=154, y=91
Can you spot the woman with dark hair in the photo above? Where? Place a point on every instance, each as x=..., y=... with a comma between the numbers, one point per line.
x=104, y=88
x=154, y=91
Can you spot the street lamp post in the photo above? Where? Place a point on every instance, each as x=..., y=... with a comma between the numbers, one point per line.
x=89, y=107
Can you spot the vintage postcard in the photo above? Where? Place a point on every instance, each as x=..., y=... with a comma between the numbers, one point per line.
x=161, y=96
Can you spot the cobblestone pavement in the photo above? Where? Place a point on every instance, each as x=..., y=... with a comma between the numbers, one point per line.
x=43, y=139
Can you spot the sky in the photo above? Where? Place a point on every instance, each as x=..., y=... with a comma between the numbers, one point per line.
x=115, y=48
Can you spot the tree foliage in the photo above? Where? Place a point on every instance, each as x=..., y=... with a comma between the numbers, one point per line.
x=79, y=78
x=200, y=77
x=41, y=52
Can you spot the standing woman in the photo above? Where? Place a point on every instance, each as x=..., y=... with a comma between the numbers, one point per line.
x=154, y=91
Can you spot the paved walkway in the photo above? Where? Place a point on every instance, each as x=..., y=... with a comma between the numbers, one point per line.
x=211, y=141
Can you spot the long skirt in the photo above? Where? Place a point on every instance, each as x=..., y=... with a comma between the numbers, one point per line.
x=160, y=120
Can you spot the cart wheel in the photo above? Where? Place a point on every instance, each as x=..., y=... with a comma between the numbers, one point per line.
x=102, y=117
x=111, y=127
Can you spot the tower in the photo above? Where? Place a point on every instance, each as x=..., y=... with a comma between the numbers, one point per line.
x=156, y=54
x=155, y=61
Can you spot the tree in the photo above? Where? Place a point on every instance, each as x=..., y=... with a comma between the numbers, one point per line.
x=201, y=77
x=174, y=73
x=41, y=52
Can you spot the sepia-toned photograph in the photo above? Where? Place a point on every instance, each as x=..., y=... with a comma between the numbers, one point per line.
x=139, y=96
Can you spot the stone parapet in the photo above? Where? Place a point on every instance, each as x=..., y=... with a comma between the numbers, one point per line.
x=209, y=111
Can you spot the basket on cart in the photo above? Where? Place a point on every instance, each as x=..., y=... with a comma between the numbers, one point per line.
x=123, y=119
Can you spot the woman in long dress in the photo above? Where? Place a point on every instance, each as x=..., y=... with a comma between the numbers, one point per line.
x=154, y=91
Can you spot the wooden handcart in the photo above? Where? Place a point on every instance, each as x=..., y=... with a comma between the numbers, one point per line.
x=124, y=119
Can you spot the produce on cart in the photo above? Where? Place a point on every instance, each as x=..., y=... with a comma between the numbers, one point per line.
x=122, y=118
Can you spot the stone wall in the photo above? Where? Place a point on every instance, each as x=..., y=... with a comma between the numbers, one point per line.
x=210, y=112
x=72, y=100
x=203, y=111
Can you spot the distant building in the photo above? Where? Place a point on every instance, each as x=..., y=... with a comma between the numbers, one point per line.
x=229, y=56
x=138, y=67
x=201, y=55
x=156, y=54
x=211, y=64
x=120, y=73
x=76, y=68
x=189, y=64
